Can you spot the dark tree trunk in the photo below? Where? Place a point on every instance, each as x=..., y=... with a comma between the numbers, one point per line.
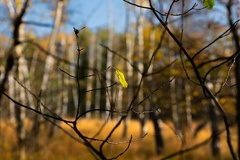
x=21, y=139
x=143, y=120
x=154, y=116
x=33, y=137
x=215, y=145
x=10, y=54
x=125, y=127
x=8, y=68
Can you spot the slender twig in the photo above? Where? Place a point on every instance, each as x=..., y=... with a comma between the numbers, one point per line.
x=186, y=12
x=219, y=65
x=77, y=116
x=212, y=61
x=39, y=101
x=77, y=72
x=117, y=143
x=110, y=134
x=224, y=34
x=160, y=70
x=43, y=50
x=102, y=88
x=38, y=24
x=155, y=53
x=169, y=10
x=129, y=143
x=73, y=76
x=144, y=7
x=155, y=90
x=122, y=57
x=87, y=143
x=34, y=110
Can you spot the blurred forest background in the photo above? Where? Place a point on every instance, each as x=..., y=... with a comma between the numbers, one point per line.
x=61, y=97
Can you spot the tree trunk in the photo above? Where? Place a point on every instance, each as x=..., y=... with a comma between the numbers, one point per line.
x=23, y=75
x=139, y=54
x=49, y=64
x=11, y=91
x=173, y=96
x=237, y=70
x=109, y=93
x=155, y=115
x=72, y=70
x=33, y=136
x=16, y=14
x=129, y=69
x=21, y=112
x=158, y=131
x=90, y=81
x=98, y=79
x=188, y=104
x=62, y=78
x=215, y=145
x=20, y=131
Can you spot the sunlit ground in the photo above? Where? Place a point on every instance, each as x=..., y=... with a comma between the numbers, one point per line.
x=62, y=147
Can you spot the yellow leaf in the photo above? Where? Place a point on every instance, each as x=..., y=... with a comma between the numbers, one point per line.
x=208, y=4
x=121, y=79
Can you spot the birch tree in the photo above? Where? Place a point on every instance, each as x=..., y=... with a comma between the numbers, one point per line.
x=49, y=64
x=50, y=61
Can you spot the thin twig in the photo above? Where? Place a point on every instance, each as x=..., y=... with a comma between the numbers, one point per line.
x=119, y=55
x=155, y=90
x=129, y=143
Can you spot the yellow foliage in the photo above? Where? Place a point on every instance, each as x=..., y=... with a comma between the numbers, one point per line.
x=121, y=79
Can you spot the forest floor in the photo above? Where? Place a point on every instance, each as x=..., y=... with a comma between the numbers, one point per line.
x=62, y=147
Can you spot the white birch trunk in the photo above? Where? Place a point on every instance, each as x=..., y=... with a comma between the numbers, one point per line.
x=11, y=94
x=49, y=64
x=21, y=113
x=140, y=52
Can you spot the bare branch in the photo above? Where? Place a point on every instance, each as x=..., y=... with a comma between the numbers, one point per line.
x=155, y=90
x=124, y=58
x=47, y=25
x=129, y=143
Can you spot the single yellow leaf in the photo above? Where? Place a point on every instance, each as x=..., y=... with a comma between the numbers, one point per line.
x=208, y=4
x=121, y=79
